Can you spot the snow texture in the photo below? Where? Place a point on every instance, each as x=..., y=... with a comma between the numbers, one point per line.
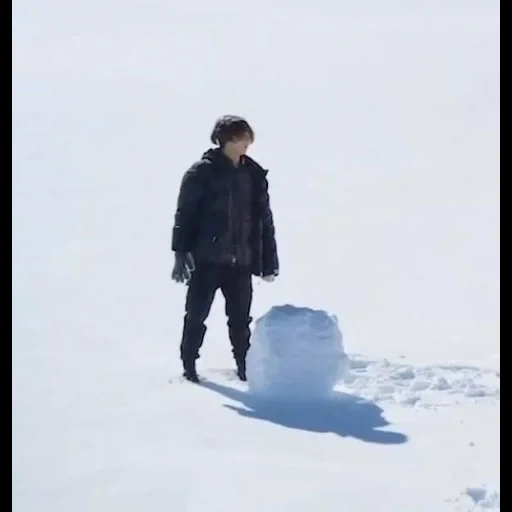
x=296, y=352
x=484, y=498
x=425, y=386
x=478, y=499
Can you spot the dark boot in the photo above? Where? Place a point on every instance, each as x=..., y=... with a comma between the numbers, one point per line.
x=190, y=372
x=240, y=346
x=241, y=369
x=191, y=342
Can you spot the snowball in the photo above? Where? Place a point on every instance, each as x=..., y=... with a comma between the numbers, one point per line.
x=295, y=352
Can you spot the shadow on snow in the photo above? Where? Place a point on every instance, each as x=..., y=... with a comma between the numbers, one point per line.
x=342, y=414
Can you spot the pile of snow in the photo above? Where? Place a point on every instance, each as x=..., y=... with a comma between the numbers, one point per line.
x=485, y=499
x=295, y=352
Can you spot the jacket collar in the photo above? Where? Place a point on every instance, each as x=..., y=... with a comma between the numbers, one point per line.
x=216, y=154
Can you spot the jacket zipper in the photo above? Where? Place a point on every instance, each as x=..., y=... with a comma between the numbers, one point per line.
x=231, y=223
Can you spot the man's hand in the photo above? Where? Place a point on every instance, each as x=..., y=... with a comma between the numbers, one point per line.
x=183, y=267
x=270, y=278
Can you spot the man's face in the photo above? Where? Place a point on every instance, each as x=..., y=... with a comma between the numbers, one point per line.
x=241, y=144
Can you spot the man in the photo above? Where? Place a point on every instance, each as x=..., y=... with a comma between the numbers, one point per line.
x=223, y=234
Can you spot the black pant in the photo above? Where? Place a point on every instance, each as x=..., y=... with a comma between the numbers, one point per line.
x=235, y=283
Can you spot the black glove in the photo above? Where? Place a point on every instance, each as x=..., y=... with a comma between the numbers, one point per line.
x=183, y=267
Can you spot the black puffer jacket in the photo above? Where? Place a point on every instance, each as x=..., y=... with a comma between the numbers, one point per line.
x=224, y=216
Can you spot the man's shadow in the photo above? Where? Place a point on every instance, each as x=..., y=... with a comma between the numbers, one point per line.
x=342, y=414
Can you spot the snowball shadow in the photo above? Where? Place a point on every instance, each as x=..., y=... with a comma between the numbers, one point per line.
x=342, y=414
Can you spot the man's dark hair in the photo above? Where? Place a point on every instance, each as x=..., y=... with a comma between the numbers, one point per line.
x=228, y=128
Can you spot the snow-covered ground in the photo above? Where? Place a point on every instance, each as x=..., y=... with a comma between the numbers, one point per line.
x=380, y=125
